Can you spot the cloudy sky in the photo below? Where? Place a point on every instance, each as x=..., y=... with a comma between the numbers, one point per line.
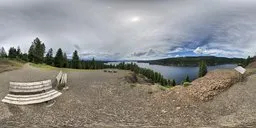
x=132, y=29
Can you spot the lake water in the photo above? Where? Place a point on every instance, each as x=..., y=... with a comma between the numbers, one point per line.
x=179, y=73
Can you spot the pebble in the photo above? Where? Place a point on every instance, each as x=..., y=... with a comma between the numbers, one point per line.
x=163, y=111
x=178, y=108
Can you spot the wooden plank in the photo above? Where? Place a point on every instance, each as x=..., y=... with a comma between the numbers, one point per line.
x=29, y=83
x=34, y=95
x=31, y=98
x=58, y=77
x=34, y=101
x=66, y=78
x=30, y=87
x=29, y=90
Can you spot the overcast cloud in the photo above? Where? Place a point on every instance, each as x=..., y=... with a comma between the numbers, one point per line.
x=132, y=29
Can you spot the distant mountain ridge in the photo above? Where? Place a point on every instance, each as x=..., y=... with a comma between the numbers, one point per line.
x=194, y=61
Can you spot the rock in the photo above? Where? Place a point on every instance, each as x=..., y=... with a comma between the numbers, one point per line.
x=66, y=88
x=163, y=111
x=178, y=108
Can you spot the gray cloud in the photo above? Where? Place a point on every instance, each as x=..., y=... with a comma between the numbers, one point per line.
x=105, y=28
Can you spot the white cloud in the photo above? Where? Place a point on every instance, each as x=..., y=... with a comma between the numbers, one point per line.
x=199, y=50
x=218, y=52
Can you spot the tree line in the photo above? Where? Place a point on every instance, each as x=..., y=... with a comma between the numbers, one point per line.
x=36, y=54
x=193, y=61
x=155, y=77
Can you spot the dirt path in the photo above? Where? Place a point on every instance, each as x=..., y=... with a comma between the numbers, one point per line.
x=97, y=99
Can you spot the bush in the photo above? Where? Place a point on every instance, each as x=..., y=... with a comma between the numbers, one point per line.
x=185, y=84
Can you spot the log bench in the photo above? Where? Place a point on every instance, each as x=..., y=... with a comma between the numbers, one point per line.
x=62, y=79
x=58, y=77
x=21, y=93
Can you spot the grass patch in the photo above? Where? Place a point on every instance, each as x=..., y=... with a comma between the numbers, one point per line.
x=48, y=67
x=44, y=66
x=163, y=88
x=9, y=62
x=185, y=84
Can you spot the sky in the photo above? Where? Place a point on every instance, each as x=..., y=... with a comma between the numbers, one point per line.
x=132, y=29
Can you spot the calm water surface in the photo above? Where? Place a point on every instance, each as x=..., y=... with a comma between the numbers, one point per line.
x=179, y=73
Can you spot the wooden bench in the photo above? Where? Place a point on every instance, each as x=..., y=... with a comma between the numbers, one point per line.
x=32, y=87
x=20, y=93
x=31, y=99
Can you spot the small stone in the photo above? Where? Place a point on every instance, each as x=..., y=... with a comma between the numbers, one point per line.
x=178, y=108
x=163, y=111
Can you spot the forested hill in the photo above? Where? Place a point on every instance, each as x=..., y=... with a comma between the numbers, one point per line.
x=194, y=61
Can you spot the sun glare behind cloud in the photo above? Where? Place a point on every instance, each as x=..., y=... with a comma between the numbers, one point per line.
x=135, y=19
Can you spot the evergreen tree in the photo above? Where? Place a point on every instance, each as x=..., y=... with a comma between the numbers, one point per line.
x=75, y=60
x=24, y=57
x=155, y=77
x=173, y=82
x=187, y=79
x=12, y=53
x=36, y=51
x=3, y=53
x=49, y=57
x=247, y=61
x=65, y=61
x=19, y=54
x=94, y=64
x=58, y=59
x=31, y=53
x=202, y=69
x=165, y=82
x=169, y=82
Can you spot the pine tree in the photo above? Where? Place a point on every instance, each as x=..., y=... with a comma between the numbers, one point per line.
x=65, y=61
x=31, y=53
x=164, y=82
x=49, y=57
x=58, y=59
x=173, y=82
x=155, y=77
x=12, y=53
x=169, y=82
x=75, y=60
x=39, y=51
x=187, y=79
x=19, y=54
x=24, y=57
x=247, y=61
x=3, y=53
x=202, y=69
x=36, y=51
x=93, y=64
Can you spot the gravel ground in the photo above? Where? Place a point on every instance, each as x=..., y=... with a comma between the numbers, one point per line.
x=97, y=99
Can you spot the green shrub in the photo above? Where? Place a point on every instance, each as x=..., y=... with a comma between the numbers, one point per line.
x=185, y=84
x=162, y=88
